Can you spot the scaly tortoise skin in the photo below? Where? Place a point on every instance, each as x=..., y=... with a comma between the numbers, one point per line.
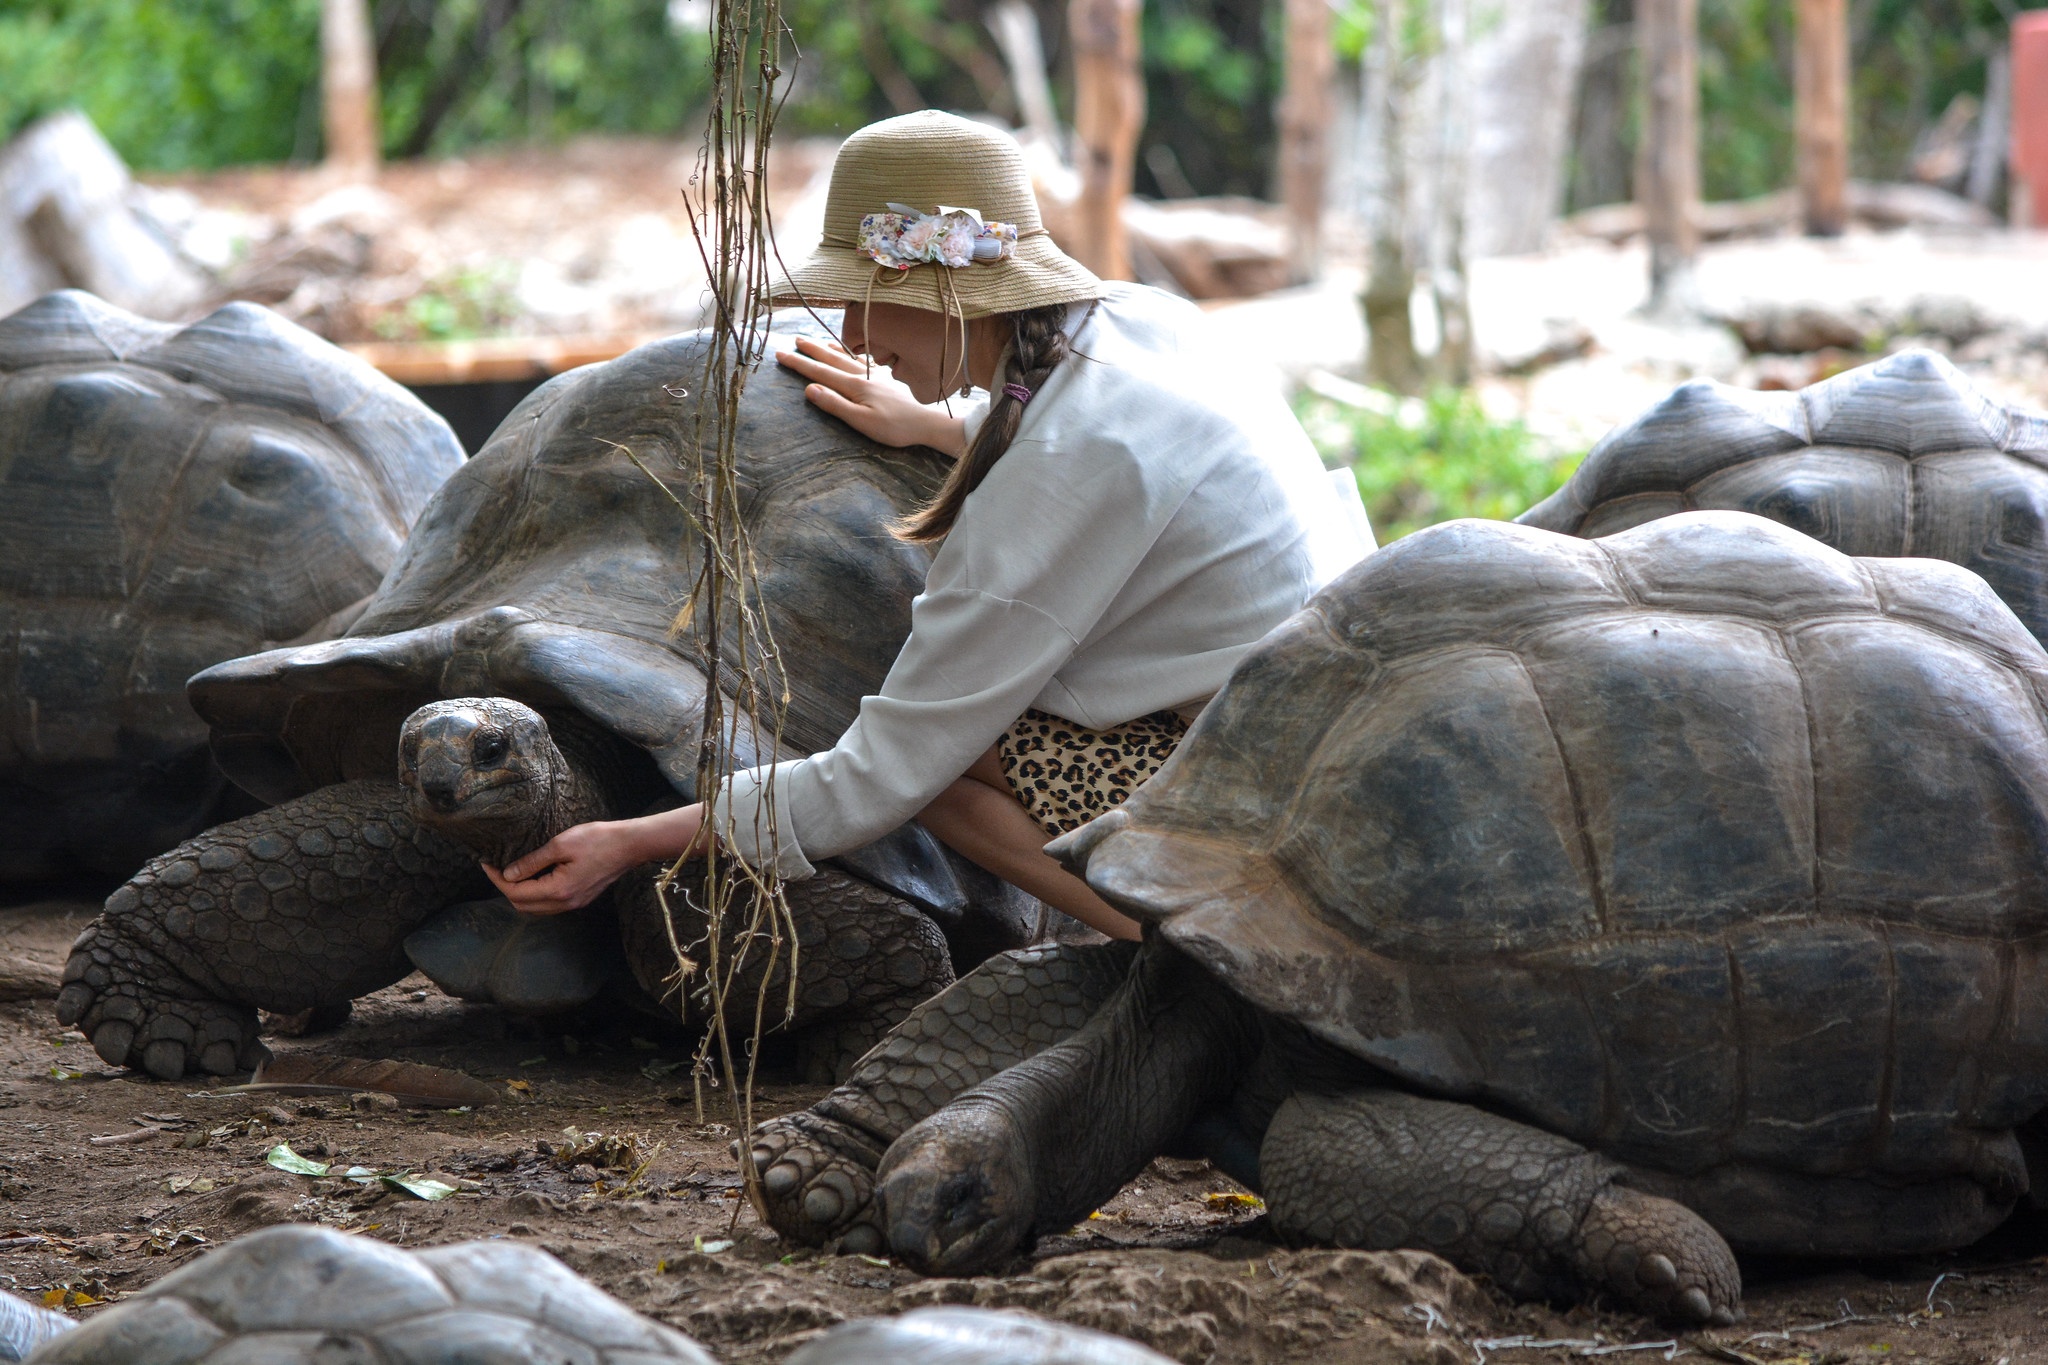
x=169, y=498
x=1901, y=457
x=541, y=585
x=1574, y=909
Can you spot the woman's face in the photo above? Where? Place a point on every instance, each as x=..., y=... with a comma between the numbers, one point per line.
x=909, y=342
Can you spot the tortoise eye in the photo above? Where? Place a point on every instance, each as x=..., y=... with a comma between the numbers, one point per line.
x=489, y=747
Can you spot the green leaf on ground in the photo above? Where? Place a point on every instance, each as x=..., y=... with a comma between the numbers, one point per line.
x=418, y=1186
x=285, y=1159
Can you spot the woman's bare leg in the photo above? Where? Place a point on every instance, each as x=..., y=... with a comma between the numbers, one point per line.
x=980, y=818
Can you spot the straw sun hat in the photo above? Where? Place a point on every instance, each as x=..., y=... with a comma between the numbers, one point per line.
x=929, y=162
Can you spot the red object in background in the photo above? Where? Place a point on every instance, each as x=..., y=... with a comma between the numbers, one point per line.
x=2030, y=112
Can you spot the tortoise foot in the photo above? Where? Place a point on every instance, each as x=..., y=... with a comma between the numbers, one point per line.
x=818, y=1182
x=1659, y=1257
x=140, y=1011
x=299, y=907
x=958, y=1192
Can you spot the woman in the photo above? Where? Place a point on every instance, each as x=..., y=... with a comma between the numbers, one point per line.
x=1125, y=518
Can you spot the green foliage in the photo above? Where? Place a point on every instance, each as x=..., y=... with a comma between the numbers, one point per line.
x=1212, y=73
x=1746, y=144
x=171, y=83
x=189, y=84
x=1908, y=59
x=469, y=303
x=457, y=73
x=1351, y=28
x=868, y=59
x=1433, y=459
x=177, y=84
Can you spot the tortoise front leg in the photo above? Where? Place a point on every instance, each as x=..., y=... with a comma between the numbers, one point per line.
x=1047, y=1141
x=818, y=1165
x=303, y=905
x=1380, y=1169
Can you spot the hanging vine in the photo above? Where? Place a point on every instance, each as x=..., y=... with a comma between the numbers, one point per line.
x=748, y=932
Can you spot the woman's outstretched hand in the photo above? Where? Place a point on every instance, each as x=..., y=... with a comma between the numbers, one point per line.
x=572, y=869
x=880, y=409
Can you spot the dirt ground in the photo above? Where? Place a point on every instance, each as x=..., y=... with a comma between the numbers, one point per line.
x=1178, y=1260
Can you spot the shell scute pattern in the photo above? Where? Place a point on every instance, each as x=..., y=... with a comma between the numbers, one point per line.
x=1703, y=843
x=1903, y=457
x=169, y=498
x=295, y=1295
x=550, y=567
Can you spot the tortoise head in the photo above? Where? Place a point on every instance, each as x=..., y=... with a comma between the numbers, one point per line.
x=483, y=771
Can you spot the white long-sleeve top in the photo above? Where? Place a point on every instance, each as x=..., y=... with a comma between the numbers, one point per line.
x=1155, y=515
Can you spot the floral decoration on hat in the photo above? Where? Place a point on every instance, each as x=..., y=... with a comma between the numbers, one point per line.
x=951, y=237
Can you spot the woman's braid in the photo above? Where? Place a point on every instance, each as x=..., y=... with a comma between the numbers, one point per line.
x=1040, y=344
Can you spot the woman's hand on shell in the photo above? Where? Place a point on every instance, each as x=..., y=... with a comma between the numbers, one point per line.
x=570, y=870
x=879, y=409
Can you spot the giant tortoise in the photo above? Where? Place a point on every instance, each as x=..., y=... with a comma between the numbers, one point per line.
x=528, y=624
x=1574, y=909
x=1901, y=457
x=299, y=1295
x=169, y=498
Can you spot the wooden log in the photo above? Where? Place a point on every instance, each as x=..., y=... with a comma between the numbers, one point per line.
x=66, y=220
x=1668, y=173
x=1306, y=109
x=348, y=87
x=1109, y=113
x=24, y=978
x=1821, y=115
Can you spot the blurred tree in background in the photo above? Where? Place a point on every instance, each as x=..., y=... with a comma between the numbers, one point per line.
x=172, y=83
x=184, y=84
x=1212, y=74
x=178, y=84
x=1910, y=58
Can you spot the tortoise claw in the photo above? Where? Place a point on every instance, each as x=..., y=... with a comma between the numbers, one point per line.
x=817, y=1181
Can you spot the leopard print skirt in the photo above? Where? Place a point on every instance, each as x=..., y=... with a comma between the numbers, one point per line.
x=1066, y=774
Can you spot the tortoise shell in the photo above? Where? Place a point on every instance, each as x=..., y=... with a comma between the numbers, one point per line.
x=551, y=569
x=1902, y=457
x=301, y=1295
x=1700, y=843
x=169, y=498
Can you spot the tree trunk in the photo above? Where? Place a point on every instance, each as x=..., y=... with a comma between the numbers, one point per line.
x=1448, y=289
x=1668, y=176
x=1602, y=154
x=2027, y=199
x=1523, y=75
x=348, y=86
x=1109, y=113
x=1306, y=107
x=1014, y=25
x=1390, y=358
x=1821, y=115
x=1987, y=156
